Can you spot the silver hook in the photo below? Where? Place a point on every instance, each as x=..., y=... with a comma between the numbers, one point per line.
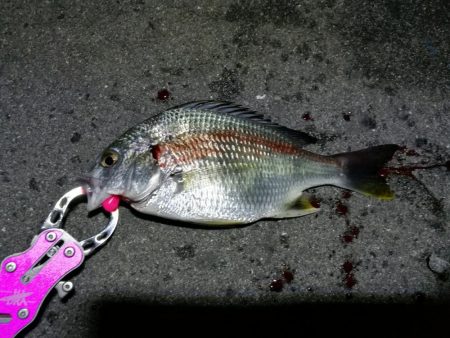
x=56, y=216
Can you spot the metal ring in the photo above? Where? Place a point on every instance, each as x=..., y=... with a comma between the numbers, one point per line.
x=56, y=216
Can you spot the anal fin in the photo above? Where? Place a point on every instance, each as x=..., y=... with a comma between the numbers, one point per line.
x=301, y=207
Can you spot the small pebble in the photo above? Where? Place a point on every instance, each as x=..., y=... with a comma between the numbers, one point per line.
x=438, y=265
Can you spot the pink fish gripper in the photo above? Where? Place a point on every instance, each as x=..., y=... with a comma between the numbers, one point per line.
x=27, y=278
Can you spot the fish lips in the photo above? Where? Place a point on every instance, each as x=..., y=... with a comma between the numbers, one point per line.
x=95, y=193
x=95, y=199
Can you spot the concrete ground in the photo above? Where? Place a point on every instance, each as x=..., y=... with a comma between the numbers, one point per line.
x=76, y=74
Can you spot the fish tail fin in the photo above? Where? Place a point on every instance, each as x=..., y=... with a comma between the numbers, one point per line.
x=361, y=170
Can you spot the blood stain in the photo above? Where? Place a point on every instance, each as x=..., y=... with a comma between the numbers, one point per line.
x=350, y=234
x=350, y=280
x=346, y=194
x=347, y=266
x=341, y=208
x=276, y=285
x=347, y=238
x=163, y=94
x=156, y=152
x=288, y=276
x=315, y=202
x=307, y=117
x=408, y=170
x=404, y=171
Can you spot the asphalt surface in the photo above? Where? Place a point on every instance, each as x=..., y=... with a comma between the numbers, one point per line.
x=76, y=74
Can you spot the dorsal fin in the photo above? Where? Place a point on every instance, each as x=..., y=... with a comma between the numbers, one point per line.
x=236, y=110
x=225, y=107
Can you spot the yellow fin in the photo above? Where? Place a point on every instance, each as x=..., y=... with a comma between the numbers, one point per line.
x=375, y=187
x=302, y=206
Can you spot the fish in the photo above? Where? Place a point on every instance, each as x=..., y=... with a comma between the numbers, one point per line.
x=219, y=163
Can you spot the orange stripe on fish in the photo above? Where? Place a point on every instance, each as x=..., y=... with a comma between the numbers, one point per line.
x=198, y=146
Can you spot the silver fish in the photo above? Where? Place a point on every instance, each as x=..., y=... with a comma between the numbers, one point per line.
x=218, y=163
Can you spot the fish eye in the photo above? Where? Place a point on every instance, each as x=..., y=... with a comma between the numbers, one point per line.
x=109, y=158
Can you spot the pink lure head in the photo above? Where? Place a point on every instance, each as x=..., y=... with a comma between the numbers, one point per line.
x=111, y=203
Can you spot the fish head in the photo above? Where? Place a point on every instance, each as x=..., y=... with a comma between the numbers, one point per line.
x=125, y=168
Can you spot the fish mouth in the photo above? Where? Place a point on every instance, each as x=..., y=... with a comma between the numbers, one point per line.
x=95, y=193
x=95, y=200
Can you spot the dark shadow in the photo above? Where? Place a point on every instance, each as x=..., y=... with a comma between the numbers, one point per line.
x=296, y=320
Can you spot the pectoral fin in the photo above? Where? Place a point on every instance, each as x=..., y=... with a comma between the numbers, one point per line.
x=301, y=207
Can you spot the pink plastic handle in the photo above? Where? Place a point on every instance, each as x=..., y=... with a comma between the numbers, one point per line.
x=24, y=284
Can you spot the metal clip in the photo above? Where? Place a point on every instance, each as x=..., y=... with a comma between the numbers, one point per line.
x=26, y=278
x=56, y=216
